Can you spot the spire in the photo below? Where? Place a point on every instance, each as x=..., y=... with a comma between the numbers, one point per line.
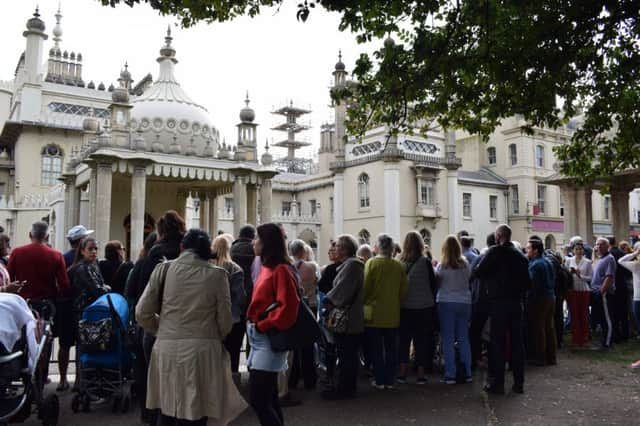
x=246, y=99
x=340, y=65
x=57, y=30
x=167, y=51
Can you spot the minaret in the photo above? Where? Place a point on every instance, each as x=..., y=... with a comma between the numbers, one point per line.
x=32, y=74
x=247, y=141
x=292, y=127
x=121, y=107
x=340, y=110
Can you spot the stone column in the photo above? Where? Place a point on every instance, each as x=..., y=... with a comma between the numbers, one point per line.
x=138, y=203
x=239, y=204
x=252, y=205
x=71, y=203
x=93, y=195
x=568, y=194
x=452, y=201
x=620, y=212
x=213, y=214
x=338, y=204
x=584, y=215
x=104, y=180
x=204, y=211
x=392, y=199
x=181, y=202
x=265, y=201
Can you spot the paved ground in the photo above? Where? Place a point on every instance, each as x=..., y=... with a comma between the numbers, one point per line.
x=584, y=389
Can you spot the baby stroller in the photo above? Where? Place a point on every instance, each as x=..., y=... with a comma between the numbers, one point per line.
x=22, y=387
x=104, y=360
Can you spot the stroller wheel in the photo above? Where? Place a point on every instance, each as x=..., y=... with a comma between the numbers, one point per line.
x=126, y=403
x=75, y=403
x=50, y=409
x=86, y=402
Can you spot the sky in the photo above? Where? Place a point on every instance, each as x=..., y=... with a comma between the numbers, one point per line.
x=273, y=56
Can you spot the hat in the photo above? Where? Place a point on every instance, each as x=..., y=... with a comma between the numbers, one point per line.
x=78, y=232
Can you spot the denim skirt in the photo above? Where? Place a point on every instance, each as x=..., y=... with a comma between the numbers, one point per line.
x=261, y=357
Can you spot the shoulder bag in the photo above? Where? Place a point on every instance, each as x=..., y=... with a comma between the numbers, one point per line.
x=337, y=320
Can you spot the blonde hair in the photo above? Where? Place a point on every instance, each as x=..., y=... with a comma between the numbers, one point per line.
x=413, y=246
x=221, y=247
x=452, y=253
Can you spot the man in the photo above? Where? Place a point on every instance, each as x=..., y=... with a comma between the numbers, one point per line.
x=541, y=306
x=505, y=269
x=467, y=250
x=620, y=298
x=5, y=249
x=64, y=327
x=604, y=272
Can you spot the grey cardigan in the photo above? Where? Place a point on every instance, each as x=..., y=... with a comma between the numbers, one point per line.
x=348, y=290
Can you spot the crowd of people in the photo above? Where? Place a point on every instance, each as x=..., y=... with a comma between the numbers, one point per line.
x=390, y=310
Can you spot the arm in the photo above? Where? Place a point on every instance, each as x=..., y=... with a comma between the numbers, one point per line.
x=609, y=275
x=344, y=286
x=148, y=307
x=587, y=273
x=237, y=292
x=62, y=278
x=286, y=295
x=224, y=318
x=627, y=261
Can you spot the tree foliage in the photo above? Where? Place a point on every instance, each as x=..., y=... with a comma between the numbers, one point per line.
x=469, y=64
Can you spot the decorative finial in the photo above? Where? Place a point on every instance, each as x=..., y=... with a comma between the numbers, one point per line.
x=168, y=38
x=340, y=55
x=126, y=65
x=37, y=12
x=246, y=100
x=266, y=144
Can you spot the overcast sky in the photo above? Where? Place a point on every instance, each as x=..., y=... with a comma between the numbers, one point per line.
x=274, y=57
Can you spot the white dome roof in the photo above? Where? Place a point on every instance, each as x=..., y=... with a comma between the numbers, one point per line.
x=165, y=111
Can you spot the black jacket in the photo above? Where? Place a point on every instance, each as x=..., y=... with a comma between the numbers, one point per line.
x=242, y=254
x=87, y=284
x=506, y=271
x=162, y=250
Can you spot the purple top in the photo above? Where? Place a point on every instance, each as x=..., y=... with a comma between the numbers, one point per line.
x=603, y=268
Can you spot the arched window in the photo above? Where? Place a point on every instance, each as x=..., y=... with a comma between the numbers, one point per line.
x=539, y=155
x=364, y=237
x=550, y=242
x=51, y=164
x=426, y=236
x=363, y=190
x=491, y=154
x=513, y=154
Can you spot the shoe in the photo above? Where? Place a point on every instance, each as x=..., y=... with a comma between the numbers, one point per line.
x=448, y=381
x=62, y=387
x=377, y=386
x=421, y=381
x=468, y=379
x=636, y=364
x=517, y=388
x=401, y=380
x=389, y=387
x=493, y=389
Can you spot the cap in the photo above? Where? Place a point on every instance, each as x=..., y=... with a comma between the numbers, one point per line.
x=78, y=232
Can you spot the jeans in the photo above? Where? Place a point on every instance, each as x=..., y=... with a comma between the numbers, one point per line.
x=506, y=318
x=454, y=326
x=417, y=325
x=347, y=346
x=263, y=397
x=383, y=344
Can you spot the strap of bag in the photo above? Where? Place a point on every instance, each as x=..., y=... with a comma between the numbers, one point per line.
x=163, y=279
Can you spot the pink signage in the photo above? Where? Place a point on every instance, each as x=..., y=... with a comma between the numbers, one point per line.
x=547, y=225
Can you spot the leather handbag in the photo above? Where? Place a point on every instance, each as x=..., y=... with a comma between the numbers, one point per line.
x=337, y=320
x=304, y=332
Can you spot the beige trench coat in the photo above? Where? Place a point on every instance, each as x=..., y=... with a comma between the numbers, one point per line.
x=189, y=371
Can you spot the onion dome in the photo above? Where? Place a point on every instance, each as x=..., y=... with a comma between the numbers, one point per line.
x=340, y=65
x=101, y=86
x=35, y=23
x=91, y=85
x=247, y=115
x=119, y=95
x=267, y=158
x=125, y=74
x=389, y=42
x=111, y=88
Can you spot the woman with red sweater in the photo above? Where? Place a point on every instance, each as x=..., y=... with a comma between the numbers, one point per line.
x=275, y=284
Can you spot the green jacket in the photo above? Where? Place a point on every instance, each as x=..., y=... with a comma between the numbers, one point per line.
x=385, y=284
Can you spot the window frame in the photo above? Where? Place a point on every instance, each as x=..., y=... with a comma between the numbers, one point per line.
x=364, y=199
x=51, y=156
x=493, y=207
x=541, y=201
x=540, y=160
x=467, y=205
x=515, y=199
x=491, y=155
x=513, y=154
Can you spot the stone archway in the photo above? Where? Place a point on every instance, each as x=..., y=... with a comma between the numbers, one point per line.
x=550, y=242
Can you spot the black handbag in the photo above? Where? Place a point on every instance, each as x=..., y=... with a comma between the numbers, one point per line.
x=304, y=332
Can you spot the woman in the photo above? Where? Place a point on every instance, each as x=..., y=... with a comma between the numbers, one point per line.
x=385, y=284
x=188, y=308
x=578, y=297
x=417, y=309
x=454, y=308
x=631, y=262
x=113, y=258
x=275, y=284
x=347, y=294
x=131, y=289
x=86, y=281
x=233, y=341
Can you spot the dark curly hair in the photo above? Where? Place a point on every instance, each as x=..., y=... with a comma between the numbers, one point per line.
x=171, y=227
x=199, y=242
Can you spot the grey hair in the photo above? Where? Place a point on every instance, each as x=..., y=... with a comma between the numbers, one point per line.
x=349, y=244
x=296, y=248
x=39, y=230
x=385, y=245
x=603, y=239
x=365, y=251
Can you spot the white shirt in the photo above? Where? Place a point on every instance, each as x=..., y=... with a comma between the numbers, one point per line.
x=634, y=266
x=580, y=283
x=15, y=314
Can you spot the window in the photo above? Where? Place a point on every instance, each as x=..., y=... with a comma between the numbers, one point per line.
x=363, y=190
x=313, y=210
x=364, y=236
x=542, y=196
x=286, y=208
x=513, y=154
x=493, y=206
x=491, y=155
x=426, y=192
x=426, y=236
x=561, y=205
x=228, y=205
x=466, y=204
x=79, y=110
x=539, y=156
x=515, y=200
x=607, y=209
x=51, y=165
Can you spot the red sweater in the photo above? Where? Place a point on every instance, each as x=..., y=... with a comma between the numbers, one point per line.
x=42, y=268
x=281, y=281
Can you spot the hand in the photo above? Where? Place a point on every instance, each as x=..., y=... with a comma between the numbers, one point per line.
x=14, y=287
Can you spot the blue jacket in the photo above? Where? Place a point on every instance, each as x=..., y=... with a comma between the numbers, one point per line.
x=542, y=277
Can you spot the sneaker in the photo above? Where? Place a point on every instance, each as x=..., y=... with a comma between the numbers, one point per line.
x=389, y=387
x=421, y=381
x=636, y=364
x=448, y=381
x=401, y=380
x=468, y=379
x=377, y=386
